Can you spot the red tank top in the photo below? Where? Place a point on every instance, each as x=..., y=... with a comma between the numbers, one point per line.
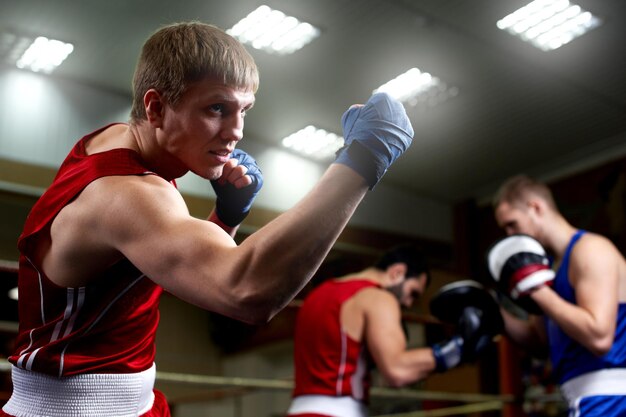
x=327, y=361
x=108, y=326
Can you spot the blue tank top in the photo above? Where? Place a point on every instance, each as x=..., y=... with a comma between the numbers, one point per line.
x=569, y=358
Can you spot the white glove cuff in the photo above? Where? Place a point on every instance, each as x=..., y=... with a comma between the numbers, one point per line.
x=532, y=281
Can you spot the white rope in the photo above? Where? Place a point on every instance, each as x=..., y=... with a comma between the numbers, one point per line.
x=451, y=411
x=278, y=384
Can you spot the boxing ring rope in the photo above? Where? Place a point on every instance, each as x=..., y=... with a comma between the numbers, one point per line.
x=277, y=384
x=474, y=402
x=451, y=411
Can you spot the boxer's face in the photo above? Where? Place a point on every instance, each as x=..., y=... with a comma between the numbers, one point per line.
x=412, y=289
x=514, y=219
x=204, y=127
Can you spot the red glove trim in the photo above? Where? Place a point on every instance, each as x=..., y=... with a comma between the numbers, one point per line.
x=524, y=272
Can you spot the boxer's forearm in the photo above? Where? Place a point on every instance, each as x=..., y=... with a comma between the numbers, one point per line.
x=288, y=250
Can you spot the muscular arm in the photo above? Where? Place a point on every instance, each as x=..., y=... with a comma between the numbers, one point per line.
x=232, y=231
x=594, y=275
x=387, y=343
x=147, y=221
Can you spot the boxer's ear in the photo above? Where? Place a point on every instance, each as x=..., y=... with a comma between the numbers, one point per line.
x=154, y=107
x=397, y=272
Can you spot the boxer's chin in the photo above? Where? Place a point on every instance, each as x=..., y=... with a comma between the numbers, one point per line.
x=213, y=173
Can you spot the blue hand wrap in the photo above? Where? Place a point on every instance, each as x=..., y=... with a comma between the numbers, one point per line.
x=233, y=204
x=448, y=354
x=375, y=135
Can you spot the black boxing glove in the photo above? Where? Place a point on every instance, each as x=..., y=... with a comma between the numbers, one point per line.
x=476, y=314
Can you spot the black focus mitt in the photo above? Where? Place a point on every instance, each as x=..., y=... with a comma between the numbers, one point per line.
x=476, y=314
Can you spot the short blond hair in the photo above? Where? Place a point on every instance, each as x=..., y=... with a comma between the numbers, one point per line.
x=520, y=188
x=180, y=54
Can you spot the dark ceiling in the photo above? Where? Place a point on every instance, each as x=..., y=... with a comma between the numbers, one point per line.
x=519, y=109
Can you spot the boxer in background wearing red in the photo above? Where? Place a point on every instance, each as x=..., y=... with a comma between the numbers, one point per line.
x=350, y=323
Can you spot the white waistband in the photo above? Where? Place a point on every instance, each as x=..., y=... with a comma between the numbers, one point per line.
x=97, y=395
x=326, y=404
x=602, y=382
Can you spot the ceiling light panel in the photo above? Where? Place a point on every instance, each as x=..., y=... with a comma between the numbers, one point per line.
x=313, y=143
x=273, y=31
x=549, y=24
x=38, y=55
x=417, y=88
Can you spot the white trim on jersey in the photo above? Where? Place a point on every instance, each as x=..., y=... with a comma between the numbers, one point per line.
x=327, y=405
x=356, y=382
x=603, y=382
x=342, y=364
x=97, y=320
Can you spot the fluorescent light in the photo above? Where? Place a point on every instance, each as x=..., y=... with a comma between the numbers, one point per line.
x=273, y=31
x=313, y=143
x=44, y=55
x=415, y=87
x=13, y=294
x=549, y=24
x=39, y=55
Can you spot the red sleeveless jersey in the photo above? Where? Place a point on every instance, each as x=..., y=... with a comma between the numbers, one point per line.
x=326, y=360
x=108, y=326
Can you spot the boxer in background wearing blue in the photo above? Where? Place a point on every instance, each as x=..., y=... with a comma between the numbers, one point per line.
x=581, y=308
